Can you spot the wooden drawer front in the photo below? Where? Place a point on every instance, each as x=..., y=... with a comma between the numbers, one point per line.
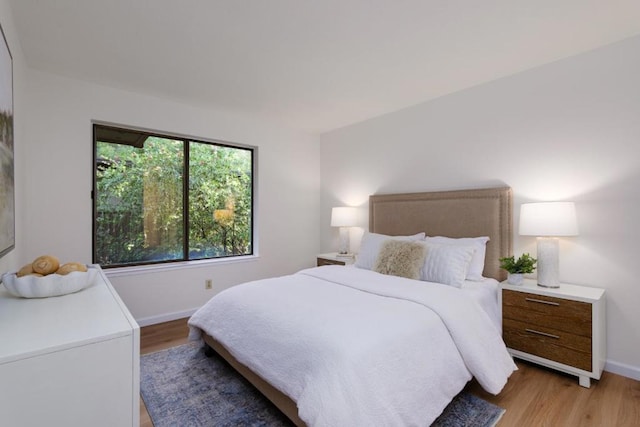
x=555, y=313
x=324, y=261
x=560, y=346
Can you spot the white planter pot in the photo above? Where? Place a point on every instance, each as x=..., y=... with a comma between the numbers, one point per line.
x=515, y=278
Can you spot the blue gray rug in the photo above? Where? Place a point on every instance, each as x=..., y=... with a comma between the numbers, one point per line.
x=182, y=387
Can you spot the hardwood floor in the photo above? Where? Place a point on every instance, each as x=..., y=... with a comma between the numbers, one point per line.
x=534, y=396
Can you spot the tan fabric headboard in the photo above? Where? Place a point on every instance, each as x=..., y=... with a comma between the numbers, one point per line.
x=462, y=213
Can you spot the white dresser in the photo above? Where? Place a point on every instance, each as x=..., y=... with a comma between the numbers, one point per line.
x=72, y=360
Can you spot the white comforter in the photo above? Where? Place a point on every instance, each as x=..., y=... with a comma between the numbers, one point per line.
x=353, y=347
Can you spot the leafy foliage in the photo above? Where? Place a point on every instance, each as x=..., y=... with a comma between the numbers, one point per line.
x=523, y=265
x=219, y=179
x=139, y=205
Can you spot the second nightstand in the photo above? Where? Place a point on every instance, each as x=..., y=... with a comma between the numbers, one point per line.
x=332, y=258
x=561, y=328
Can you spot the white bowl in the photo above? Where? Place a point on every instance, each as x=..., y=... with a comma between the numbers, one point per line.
x=52, y=285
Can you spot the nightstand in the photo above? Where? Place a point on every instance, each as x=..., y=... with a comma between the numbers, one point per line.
x=561, y=328
x=332, y=258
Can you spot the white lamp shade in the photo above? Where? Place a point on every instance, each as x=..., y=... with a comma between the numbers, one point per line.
x=552, y=219
x=343, y=217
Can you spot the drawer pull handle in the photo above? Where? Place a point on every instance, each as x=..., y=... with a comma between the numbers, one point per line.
x=533, y=331
x=542, y=301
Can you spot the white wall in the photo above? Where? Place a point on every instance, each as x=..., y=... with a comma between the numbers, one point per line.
x=58, y=152
x=8, y=261
x=569, y=130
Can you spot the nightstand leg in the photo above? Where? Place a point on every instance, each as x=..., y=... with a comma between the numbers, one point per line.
x=584, y=381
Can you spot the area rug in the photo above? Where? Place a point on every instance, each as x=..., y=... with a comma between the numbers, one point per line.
x=182, y=387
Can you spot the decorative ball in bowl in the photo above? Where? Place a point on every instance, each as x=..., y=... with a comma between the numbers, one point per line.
x=63, y=280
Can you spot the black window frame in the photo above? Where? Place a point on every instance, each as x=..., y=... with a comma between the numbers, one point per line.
x=185, y=188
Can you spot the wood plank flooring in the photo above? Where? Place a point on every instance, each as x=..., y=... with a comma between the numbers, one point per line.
x=534, y=396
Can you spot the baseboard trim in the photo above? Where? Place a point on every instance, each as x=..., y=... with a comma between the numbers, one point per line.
x=152, y=320
x=625, y=370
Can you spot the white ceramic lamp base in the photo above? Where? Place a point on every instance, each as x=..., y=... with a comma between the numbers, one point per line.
x=548, y=262
x=343, y=249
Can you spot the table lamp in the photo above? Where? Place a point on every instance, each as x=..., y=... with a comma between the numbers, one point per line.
x=548, y=221
x=344, y=217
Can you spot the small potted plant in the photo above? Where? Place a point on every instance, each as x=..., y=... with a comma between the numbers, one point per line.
x=516, y=268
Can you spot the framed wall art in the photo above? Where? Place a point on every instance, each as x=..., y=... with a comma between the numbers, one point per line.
x=7, y=183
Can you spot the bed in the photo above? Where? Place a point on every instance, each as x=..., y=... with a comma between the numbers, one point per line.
x=350, y=346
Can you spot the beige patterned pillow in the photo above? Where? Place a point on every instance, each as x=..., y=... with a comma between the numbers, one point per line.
x=400, y=258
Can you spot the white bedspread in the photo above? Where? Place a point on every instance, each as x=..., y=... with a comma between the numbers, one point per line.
x=353, y=347
x=485, y=293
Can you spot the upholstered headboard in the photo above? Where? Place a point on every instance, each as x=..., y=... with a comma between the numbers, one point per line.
x=462, y=213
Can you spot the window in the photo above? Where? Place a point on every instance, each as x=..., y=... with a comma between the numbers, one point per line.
x=160, y=198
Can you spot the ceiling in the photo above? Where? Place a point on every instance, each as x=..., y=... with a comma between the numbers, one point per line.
x=316, y=65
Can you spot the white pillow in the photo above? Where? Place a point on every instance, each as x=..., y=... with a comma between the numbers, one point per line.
x=370, y=247
x=446, y=263
x=477, y=262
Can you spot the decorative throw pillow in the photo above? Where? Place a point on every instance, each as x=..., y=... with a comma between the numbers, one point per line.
x=447, y=264
x=370, y=247
x=401, y=258
x=477, y=261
